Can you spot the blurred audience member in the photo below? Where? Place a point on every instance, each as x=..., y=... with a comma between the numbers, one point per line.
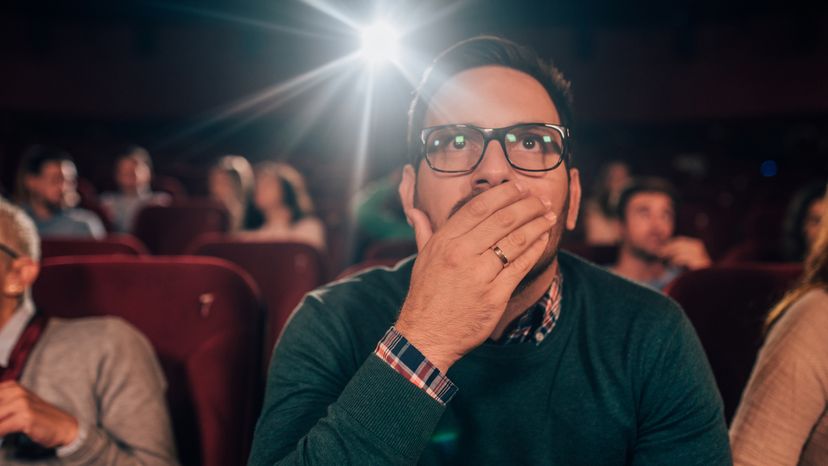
x=802, y=221
x=47, y=190
x=282, y=197
x=378, y=212
x=649, y=253
x=72, y=391
x=133, y=175
x=782, y=418
x=601, y=223
x=231, y=183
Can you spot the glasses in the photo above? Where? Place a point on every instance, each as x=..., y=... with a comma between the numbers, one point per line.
x=11, y=252
x=531, y=147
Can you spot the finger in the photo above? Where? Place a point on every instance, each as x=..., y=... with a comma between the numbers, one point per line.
x=422, y=226
x=507, y=221
x=482, y=206
x=11, y=392
x=11, y=425
x=522, y=264
x=517, y=242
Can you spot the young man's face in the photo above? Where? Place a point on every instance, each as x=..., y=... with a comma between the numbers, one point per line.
x=132, y=176
x=492, y=97
x=56, y=181
x=649, y=223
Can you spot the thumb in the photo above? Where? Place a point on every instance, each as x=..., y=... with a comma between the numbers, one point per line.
x=421, y=224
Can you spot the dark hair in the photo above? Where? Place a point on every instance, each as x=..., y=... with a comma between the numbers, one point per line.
x=485, y=51
x=294, y=192
x=32, y=162
x=134, y=152
x=814, y=275
x=645, y=185
x=794, y=247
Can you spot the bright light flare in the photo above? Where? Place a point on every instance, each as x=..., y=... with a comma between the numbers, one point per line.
x=379, y=43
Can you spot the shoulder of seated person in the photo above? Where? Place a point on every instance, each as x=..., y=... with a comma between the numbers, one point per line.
x=808, y=314
x=369, y=283
x=611, y=293
x=310, y=220
x=97, y=331
x=81, y=214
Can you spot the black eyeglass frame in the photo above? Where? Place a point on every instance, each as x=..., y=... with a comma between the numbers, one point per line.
x=9, y=251
x=499, y=135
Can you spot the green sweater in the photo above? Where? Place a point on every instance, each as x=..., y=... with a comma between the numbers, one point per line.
x=622, y=379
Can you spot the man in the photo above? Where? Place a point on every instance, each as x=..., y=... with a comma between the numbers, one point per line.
x=490, y=347
x=133, y=174
x=649, y=253
x=72, y=392
x=47, y=189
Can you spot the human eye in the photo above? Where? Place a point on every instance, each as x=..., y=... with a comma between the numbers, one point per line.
x=450, y=140
x=535, y=139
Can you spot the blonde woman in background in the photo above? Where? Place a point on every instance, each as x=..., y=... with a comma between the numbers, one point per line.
x=782, y=418
x=230, y=182
x=282, y=198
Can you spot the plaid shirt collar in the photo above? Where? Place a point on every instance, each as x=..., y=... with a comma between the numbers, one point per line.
x=539, y=320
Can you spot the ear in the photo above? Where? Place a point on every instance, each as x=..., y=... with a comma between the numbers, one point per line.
x=407, y=188
x=574, y=198
x=21, y=275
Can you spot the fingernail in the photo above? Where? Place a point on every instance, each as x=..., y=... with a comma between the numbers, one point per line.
x=544, y=236
x=551, y=216
x=520, y=188
x=546, y=203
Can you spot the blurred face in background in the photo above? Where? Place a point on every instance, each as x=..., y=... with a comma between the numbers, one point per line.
x=618, y=175
x=813, y=218
x=223, y=187
x=268, y=193
x=55, y=185
x=648, y=225
x=132, y=176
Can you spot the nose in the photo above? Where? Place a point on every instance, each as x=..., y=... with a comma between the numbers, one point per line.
x=493, y=169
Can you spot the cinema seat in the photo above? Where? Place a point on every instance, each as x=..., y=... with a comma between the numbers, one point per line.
x=169, y=230
x=284, y=271
x=727, y=305
x=203, y=317
x=111, y=245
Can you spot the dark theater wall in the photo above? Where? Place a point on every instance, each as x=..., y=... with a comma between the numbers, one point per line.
x=735, y=84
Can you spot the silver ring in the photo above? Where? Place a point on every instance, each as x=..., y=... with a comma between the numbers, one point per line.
x=499, y=253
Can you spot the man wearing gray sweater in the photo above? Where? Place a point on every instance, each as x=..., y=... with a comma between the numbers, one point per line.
x=72, y=391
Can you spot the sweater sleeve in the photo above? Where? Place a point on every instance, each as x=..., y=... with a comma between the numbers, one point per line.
x=320, y=409
x=787, y=392
x=133, y=426
x=681, y=421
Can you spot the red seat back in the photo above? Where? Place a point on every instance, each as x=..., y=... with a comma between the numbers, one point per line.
x=203, y=318
x=284, y=271
x=171, y=229
x=113, y=244
x=728, y=305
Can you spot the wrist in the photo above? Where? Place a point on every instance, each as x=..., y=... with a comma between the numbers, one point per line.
x=70, y=432
x=439, y=356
